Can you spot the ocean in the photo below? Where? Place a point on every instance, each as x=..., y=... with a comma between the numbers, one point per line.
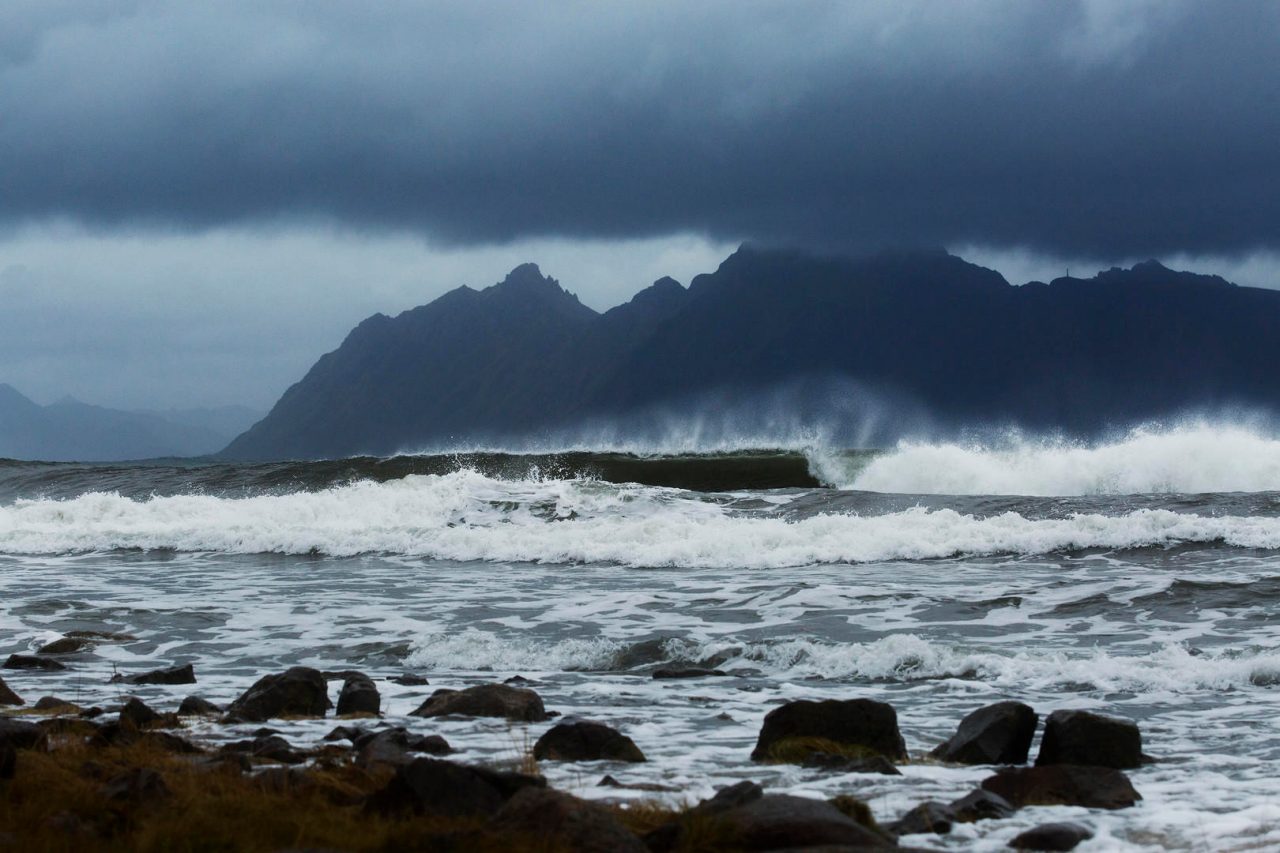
x=1138, y=577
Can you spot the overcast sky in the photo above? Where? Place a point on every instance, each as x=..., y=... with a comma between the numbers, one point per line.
x=198, y=199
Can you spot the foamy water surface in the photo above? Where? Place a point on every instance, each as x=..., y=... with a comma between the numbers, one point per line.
x=1108, y=592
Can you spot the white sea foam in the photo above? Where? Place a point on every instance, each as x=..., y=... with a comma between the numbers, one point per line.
x=1187, y=459
x=466, y=516
x=1171, y=668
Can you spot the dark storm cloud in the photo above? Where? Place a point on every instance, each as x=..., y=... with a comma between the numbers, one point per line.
x=1101, y=129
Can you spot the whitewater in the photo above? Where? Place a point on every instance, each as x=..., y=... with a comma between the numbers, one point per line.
x=1138, y=577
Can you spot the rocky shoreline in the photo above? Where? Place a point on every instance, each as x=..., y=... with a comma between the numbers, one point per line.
x=124, y=775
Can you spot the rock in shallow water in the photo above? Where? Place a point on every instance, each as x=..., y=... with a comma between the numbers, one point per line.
x=1052, y=836
x=850, y=727
x=194, y=706
x=928, y=817
x=586, y=741
x=1064, y=785
x=180, y=674
x=299, y=691
x=996, y=734
x=7, y=696
x=32, y=662
x=485, y=700
x=1083, y=737
x=359, y=696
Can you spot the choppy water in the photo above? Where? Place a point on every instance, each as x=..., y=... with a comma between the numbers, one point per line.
x=1140, y=579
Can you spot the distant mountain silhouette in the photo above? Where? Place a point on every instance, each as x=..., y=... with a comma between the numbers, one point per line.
x=526, y=357
x=70, y=430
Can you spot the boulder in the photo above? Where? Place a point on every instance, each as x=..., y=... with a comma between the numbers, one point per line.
x=65, y=646
x=194, y=706
x=52, y=704
x=1052, y=836
x=556, y=820
x=430, y=786
x=780, y=820
x=485, y=700
x=1064, y=785
x=854, y=728
x=929, y=817
x=996, y=734
x=408, y=679
x=138, y=714
x=392, y=746
x=359, y=696
x=182, y=674
x=1083, y=737
x=270, y=747
x=741, y=817
x=32, y=662
x=7, y=696
x=299, y=691
x=586, y=741
x=980, y=805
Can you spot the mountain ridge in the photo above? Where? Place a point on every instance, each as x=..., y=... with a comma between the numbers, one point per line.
x=525, y=357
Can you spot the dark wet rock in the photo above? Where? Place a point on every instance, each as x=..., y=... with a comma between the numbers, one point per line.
x=359, y=696
x=929, y=817
x=32, y=662
x=486, y=700
x=860, y=813
x=393, y=746
x=181, y=674
x=299, y=691
x=850, y=727
x=7, y=696
x=561, y=821
x=93, y=712
x=65, y=646
x=1052, y=836
x=270, y=747
x=586, y=741
x=51, y=704
x=265, y=732
x=779, y=820
x=1064, y=785
x=845, y=764
x=138, y=714
x=194, y=706
x=688, y=672
x=611, y=782
x=430, y=786
x=996, y=734
x=408, y=679
x=517, y=679
x=1083, y=737
x=350, y=733
x=639, y=654
x=980, y=805
x=139, y=785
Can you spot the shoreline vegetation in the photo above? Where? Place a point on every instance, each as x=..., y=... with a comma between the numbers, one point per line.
x=126, y=776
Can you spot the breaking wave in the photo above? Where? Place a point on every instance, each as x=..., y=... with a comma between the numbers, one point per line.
x=467, y=516
x=1190, y=459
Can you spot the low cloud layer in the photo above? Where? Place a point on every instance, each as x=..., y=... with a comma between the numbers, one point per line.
x=1085, y=129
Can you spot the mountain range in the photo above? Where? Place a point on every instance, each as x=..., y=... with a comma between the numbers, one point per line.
x=923, y=332
x=70, y=430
